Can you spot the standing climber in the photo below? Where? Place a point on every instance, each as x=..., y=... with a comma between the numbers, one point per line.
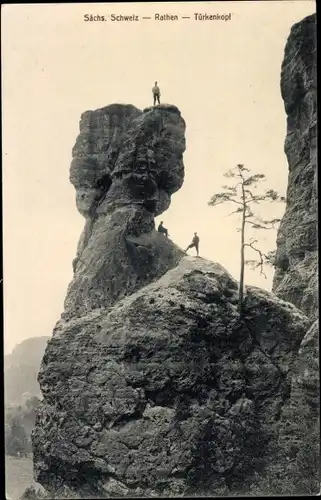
x=156, y=93
x=162, y=229
x=195, y=243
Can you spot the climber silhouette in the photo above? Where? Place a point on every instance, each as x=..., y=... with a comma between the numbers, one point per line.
x=156, y=93
x=162, y=229
x=195, y=243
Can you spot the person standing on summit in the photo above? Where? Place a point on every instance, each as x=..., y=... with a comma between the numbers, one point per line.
x=194, y=244
x=156, y=93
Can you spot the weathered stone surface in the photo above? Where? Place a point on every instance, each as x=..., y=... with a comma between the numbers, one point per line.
x=295, y=278
x=126, y=165
x=307, y=378
x=152, y=383
x=125, y=155
x=296, y=464
x=169, y=392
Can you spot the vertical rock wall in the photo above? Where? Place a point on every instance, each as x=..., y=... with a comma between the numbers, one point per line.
x=296, y=466
x=295, y=278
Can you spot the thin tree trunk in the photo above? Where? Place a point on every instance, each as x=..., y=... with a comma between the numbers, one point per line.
x=241, y=289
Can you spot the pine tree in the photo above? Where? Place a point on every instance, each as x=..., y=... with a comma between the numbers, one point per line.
x=243, y=193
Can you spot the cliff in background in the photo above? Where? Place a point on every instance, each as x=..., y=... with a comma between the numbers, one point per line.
x=21, y=369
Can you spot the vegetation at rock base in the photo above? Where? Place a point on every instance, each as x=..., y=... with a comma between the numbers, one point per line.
x=19, y=421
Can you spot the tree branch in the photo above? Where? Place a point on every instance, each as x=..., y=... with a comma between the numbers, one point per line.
x=244, y=197
x=260, y=264
x=237, y=211
x=253, y=179
x=257, y=225
x=237, y=202
x=273, y=195
x=219, y=198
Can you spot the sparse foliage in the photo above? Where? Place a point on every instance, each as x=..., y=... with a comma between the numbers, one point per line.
x=17, y=443
x=19, y=421
x=243, y=193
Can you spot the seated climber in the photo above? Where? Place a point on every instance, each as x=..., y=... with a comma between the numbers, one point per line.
x=162, y=229
x=195, y=243
x=156, y=93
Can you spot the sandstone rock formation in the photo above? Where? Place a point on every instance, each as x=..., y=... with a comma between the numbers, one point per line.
x=296, y=466
x=126, y=165
x=295, y=279
x=152, y=383
x=169, y=392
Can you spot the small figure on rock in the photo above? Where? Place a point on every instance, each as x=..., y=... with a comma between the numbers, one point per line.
x=195, y=243
x=162, y=229
x=156, y=93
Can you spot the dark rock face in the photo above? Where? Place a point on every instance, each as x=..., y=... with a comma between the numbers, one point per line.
x=169, y=392
x=296, y=465
x=307, y=377
x=295, y=279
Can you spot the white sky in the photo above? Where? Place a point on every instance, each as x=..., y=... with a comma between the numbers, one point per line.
x=224, y=77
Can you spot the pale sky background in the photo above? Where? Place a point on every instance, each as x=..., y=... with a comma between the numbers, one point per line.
x=223, y=76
